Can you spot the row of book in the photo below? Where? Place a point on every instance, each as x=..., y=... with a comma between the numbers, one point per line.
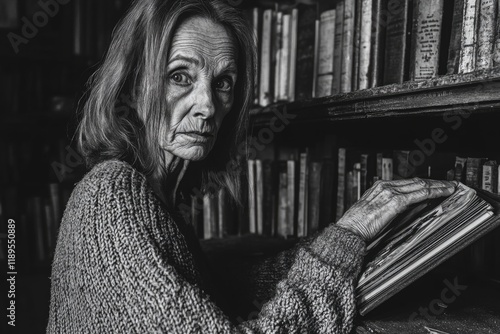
x=357, y=44
x=359, y=169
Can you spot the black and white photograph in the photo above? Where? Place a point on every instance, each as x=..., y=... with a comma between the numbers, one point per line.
x=250, y=166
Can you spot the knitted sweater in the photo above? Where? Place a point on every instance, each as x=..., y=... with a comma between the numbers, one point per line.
x=122, y=265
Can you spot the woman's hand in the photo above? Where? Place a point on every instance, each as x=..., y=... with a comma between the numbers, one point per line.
x=386, y=199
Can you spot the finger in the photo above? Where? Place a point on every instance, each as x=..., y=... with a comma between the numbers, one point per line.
x=425, y=193
x=425, y=183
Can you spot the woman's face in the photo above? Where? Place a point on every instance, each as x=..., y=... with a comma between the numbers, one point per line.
x=201, y=74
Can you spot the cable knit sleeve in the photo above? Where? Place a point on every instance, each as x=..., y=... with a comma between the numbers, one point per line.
x=121, y=265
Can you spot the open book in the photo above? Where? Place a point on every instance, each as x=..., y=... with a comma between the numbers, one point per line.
x=421, y=238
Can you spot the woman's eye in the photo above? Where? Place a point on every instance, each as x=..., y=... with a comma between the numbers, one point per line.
x=224, y=85
x=180, y=79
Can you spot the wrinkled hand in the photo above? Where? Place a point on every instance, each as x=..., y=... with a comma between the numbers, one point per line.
x=386, y=199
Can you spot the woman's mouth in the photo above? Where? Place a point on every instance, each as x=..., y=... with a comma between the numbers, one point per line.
x=198, y=136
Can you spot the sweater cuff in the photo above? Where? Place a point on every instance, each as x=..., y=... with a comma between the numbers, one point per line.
x=339, y=247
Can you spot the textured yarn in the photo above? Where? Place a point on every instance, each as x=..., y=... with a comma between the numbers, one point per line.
x=122, y=265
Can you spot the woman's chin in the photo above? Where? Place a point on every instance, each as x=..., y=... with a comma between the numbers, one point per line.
x=194, y=154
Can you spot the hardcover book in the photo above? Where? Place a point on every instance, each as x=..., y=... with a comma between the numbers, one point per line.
x=421, y=238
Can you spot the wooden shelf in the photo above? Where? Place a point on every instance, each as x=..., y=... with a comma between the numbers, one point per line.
x=473, y=92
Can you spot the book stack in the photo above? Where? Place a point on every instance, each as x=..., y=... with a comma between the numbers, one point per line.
x=315, y=50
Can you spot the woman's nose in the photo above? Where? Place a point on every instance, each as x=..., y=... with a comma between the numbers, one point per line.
x=204, y=101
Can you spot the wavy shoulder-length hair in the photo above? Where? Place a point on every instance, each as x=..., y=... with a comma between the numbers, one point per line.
x=131, y=83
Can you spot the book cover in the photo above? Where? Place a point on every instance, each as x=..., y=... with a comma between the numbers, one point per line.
x=456, y=37
x=468, y=49
x=338, y=47
x=398, y=39
x=421, y=238
x=426, y=37
x=486, y=33
x=306, y=36
x=377, y=44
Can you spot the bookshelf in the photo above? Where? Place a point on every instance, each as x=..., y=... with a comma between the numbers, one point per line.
x=457, y=110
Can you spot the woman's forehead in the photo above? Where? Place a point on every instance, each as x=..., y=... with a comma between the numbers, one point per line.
x=200, y=37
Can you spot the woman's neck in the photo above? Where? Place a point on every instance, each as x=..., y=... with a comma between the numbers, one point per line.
x=166, y=180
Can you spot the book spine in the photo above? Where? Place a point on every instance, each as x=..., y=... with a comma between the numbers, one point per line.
x=365, y=44
x=257, y=30
x=379, y=22
x=426, y=37
x=486, y=34
x=496, y=46
x=473, y=172
x=314, y=197
x=459, y=168
x=291, y=197
x=348, y=45
x=259, y=197
x=265, y=94
x=285, y=60
x=456, y=37
x=278, y=54
x=467, y=62
x=316, y=60
x=207, y=224
x=293, y=54
x=489, y=178
x=303, y=192
x=338, y=47
x=341, y=176
x=305, y=52
x=387, y=171
x=324, y=84
x=222, y=213
x=268, y=206
x=356, y=44
x=397, y=35
x=252, y=205
x=364, y=171
x=282, y=228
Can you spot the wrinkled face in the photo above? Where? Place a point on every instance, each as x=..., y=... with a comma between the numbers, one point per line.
x=201, y=74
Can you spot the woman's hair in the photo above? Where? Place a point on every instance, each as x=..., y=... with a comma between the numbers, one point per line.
x=132, y=83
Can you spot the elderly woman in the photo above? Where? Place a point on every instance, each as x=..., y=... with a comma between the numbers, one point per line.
x=125, y=260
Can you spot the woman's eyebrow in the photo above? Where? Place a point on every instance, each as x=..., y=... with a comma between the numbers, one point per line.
x=185, y=58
